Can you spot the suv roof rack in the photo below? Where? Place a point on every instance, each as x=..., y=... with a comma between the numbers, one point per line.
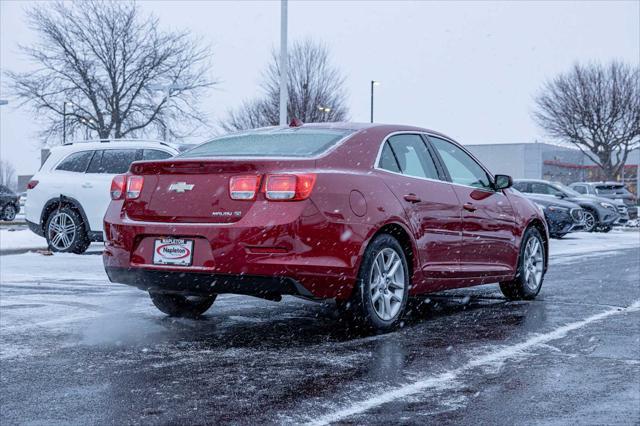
x=108, y=140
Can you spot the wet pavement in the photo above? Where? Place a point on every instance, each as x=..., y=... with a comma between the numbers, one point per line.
x=77, y=350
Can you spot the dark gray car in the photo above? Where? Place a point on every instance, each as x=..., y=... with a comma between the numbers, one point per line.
x=599, y=213
x=9, y=204
x=616, y=191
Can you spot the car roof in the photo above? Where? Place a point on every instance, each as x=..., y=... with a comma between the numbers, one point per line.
x=114, y=144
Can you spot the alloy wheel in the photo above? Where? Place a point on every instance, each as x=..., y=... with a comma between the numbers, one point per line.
x=62, y=231
x=9, y=213
x=589, y=221
x=386, y=284
x=533, y=264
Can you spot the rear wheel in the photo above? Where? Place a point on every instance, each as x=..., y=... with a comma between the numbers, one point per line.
x=589, y=221
x=382, y=287
x=531, y=268
x=65, y=232
x=177, y=305
x=9, y=213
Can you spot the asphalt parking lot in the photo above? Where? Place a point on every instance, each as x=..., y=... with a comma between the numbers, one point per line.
x=76, y=349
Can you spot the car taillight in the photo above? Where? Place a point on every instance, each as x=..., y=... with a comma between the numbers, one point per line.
x=134, y=187
x=289, y=187
x=244, y=187
x=32, y=184
x=117, y=187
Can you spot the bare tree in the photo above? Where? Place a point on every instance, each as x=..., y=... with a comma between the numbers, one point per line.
x=315, y=88
x=107, y=62
x=596, y=108
x=7, y=174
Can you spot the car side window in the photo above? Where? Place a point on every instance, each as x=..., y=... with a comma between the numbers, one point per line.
x=463, y=169
x=76, y=162
x=521, y=186
x=388, y=159
x=413, y=157
x=543, y=188
x=155, y=154
x=117, y=160
x=580, y=188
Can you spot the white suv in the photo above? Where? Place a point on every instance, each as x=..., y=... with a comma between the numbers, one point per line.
x=68, y=197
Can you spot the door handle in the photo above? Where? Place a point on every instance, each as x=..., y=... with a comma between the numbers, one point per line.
x=412, y=198
x=469, y=207
x=87, y=185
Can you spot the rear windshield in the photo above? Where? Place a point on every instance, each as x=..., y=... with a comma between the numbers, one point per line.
x=610, y=189
x=278, y=143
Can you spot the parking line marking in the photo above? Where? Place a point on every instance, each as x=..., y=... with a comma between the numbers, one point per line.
x=501, y=354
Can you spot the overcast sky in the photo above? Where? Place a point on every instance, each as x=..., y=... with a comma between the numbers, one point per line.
x=468, y=69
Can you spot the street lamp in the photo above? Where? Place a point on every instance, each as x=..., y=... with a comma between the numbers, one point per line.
x=64, y=121
x=373, y=83
x=166, y=89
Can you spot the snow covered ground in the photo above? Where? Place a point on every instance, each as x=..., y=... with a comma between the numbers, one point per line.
x=76, y=348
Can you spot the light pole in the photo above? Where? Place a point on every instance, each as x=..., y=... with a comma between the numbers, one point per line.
x=166, y=88
x=373, y=83
x=325, y=111
x=284, y=62
x=64, y=121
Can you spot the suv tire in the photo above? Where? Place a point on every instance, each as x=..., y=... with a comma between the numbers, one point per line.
x=382, y=288
x=531, y=268
x=177, y=305
x=65, y=231
x=590, y=221
x=9, y=212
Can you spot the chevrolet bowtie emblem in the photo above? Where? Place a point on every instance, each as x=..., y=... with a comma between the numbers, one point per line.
x=181, y=187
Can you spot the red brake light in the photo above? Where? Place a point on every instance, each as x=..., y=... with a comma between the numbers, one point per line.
x=244, y=187
x=117, y=187
x=32, y=184
x=289, y=187
x=134, y=187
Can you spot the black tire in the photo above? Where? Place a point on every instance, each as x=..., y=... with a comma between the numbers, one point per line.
x=9, y=212
x=519, y=288
x=590, y=221
x=360, y=308
x=177, y=305
x=77, y=240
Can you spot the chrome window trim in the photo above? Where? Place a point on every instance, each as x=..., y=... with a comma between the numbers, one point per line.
x=415, y=132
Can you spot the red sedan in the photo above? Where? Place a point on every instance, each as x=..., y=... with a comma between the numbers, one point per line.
x=368, y=215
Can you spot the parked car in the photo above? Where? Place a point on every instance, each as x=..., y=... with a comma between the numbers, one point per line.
x=364, y=214
x=67, y=198
x=599, y=213
x=9, y=204
x=562, y=216
x=616, y=191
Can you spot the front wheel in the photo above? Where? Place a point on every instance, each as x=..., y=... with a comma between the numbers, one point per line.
x=589, y=221
x=531, y=268
x=382, y=287
x=9, y=213
x=177, y=305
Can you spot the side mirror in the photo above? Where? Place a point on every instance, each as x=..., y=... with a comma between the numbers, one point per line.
x=502, y=182
x=560, y=195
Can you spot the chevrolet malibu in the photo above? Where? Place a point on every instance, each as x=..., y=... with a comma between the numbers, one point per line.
x=366, y=214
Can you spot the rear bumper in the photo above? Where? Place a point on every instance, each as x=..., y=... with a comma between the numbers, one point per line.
x=194, y=283
x=303, y=254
